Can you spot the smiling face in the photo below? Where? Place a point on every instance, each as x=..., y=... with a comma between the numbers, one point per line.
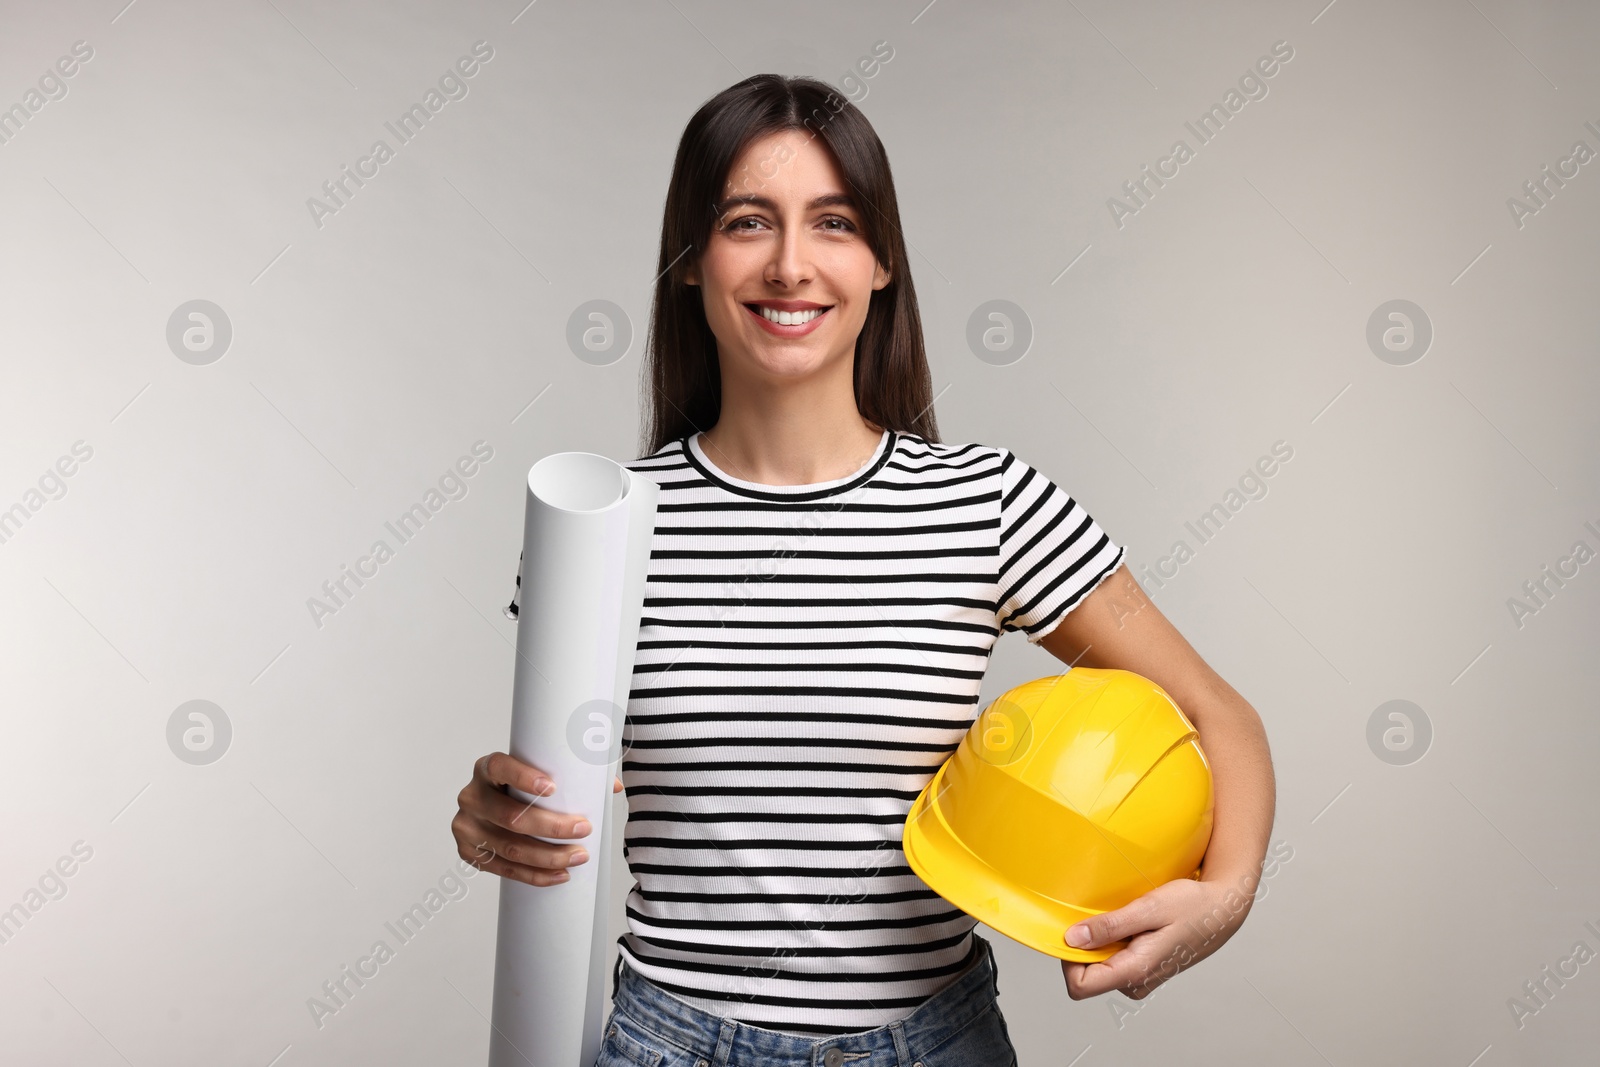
x=786, y=275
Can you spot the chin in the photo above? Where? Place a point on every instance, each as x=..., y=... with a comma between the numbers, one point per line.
x=797, y=366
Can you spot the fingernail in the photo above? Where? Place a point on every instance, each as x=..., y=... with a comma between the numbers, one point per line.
x=1078, y=936
x=561, y=876
x=582, y=828
x=543, y=787
x=578, y=856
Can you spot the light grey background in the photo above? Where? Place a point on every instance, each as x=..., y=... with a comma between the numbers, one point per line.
x=431, y=312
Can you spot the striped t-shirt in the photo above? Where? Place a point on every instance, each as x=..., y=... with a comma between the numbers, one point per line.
x=808, y=657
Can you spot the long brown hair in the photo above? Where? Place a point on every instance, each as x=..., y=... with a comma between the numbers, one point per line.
x=893, y=386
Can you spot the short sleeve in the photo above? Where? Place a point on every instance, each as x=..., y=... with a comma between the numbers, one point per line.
x=1052, y=552
x=516, y=595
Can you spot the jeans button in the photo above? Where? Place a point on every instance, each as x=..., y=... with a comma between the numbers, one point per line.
x=832, y=1058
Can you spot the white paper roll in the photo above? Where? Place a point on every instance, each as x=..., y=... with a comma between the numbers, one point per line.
x=586, y=546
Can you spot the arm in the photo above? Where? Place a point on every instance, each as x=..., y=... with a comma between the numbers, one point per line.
x=1184, y=921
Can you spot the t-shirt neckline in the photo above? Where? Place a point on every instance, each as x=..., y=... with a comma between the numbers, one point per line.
x=809, y=491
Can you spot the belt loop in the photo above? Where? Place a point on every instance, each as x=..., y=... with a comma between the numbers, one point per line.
x=724, y=1043
x=616, y=977
x=902, y=1048
x=994, y=965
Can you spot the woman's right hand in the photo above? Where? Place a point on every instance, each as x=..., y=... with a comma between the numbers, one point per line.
x=492, y=828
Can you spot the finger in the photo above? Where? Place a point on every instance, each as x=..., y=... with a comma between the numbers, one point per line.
x=517, y=872
x=1092, y=979
x=1086, y=980
x=1073, y=973
x=1131, y=970
x=1098, y=931
x=500, y=768
x=509, y=813
x=489, y=841
x=617, y=788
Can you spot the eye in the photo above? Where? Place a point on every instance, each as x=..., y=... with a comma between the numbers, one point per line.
x=735, y=226
x=847, y=225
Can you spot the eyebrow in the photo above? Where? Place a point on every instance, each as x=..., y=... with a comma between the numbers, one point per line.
x=722, y=207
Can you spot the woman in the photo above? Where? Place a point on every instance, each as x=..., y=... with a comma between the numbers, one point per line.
x=827, y=581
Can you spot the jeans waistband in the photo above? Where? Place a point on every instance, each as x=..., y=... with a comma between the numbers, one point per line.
x=719, y=1040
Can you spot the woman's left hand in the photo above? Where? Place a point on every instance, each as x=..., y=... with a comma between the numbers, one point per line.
x=1173, y=926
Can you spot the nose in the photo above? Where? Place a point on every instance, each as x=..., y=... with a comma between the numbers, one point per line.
x=791, y=259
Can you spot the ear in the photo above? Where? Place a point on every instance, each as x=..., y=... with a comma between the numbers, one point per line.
x=880, y=277
x=691, y=274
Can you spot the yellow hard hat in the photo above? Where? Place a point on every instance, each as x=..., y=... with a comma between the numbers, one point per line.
x=1070, y=796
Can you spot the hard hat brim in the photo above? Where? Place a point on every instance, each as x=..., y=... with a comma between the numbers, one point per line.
x=940, y=859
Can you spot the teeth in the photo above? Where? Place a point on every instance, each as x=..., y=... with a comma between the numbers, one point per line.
x=789, y=318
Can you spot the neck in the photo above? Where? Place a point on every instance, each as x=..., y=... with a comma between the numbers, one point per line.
x=790, y=435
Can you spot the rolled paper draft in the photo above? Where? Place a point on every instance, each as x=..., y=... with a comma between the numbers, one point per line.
x=586, y=547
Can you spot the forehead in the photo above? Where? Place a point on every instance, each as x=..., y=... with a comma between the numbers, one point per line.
x=786, y=164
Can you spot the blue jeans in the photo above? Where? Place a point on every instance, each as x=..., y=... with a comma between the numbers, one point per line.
x=959, y=1026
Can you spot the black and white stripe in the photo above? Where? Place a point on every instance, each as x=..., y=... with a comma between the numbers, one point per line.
x=808, y=657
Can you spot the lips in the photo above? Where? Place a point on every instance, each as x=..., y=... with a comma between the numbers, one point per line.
x=792, y=315
x=788, y=305
x=809, y=317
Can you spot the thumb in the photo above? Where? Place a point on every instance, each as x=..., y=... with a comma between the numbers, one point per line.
x=1097, y=931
